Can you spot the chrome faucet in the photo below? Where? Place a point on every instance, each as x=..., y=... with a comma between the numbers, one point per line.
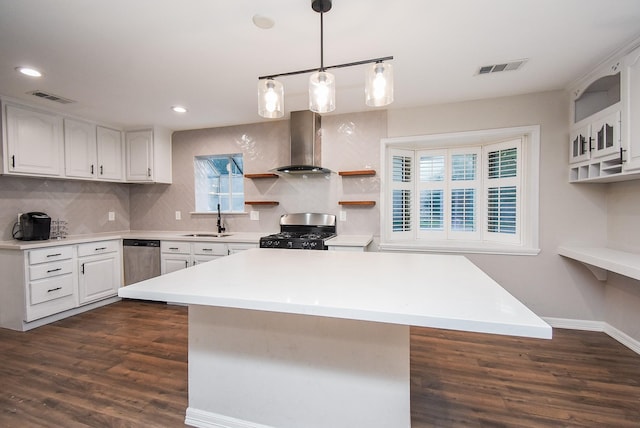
x=219, y=223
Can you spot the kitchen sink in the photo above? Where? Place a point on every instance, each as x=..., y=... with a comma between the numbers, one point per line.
x=207, y=235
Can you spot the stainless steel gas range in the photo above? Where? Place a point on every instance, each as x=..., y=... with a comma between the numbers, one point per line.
x=306, y=231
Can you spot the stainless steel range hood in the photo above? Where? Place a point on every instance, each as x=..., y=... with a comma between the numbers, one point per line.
x=306, y=144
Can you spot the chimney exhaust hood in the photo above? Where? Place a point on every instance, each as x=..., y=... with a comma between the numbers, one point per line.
x=306, y=144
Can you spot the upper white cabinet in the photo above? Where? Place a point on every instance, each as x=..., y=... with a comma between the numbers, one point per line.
x=92, y=152
x=32, y=143
x=631, y=85
x=79, y=149
x=604, y=136
x=110, y=153
x=148, y=155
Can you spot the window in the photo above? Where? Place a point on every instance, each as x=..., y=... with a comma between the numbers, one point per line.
x=219, y=179
x=466, y=192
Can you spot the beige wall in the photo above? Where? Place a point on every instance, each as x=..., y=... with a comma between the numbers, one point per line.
x=549, y=284
x=622, y=302
x=83, y=204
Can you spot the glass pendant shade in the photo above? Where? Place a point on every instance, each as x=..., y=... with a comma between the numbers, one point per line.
x=270, y=99
x=322, y=92
x=379, y=85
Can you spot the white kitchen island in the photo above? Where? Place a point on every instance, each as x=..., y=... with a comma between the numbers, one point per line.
x=305, y=339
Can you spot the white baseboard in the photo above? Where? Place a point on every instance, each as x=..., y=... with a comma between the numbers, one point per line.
x=602, y=326
x=204, y=419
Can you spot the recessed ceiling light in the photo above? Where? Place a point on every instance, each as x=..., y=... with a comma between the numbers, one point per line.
x=262, y=21
x=179, y=109
x=28, y=71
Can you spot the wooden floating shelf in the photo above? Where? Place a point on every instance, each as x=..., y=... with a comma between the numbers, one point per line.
x=358, y=203
x=357, y=173
x=264, y=175
x=261, y=203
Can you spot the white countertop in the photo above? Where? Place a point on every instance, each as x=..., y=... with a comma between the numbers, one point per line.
x=349, y=241
x=237, y=237
x=441, y=291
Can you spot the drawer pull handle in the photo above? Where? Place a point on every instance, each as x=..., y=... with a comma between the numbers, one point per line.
x=101, y=248
x=54, y=255
x=174, y=248
x=54, y=289
x=54, y=270
x=207, y=249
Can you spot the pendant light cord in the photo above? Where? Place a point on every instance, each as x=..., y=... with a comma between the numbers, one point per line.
x=321, y=41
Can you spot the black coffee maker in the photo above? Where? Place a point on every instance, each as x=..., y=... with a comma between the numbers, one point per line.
x=33, y=226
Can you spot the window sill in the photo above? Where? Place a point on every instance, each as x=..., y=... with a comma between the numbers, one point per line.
x=459, y=248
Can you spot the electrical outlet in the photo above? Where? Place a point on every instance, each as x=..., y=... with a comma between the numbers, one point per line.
x=343, y=216
x=254, y=215
x=178, y=215
x=112, y=216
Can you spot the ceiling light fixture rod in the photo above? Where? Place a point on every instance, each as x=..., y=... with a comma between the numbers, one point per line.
x=311, y=70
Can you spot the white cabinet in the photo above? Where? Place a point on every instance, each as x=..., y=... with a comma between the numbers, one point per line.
x=236, y=247
x=79, y=149
x=148, y=154
x=92, y=152
x=176, y=255
x=110, y=156
x=99, y=273
x=631, y=84
x=51, y=284
x=32, y=143
x=580, y=144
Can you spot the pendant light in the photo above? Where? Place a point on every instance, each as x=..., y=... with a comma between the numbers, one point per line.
x=379, y=85
x=322, y=84
x=270, y=99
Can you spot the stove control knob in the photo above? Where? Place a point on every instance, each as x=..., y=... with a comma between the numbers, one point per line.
x=289, y=244
x=305, y=245
x=269, y=243
x=313, y=245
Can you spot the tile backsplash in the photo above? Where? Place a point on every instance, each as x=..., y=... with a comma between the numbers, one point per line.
x=84, y=205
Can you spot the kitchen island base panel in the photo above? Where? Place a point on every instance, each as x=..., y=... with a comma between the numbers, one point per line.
x=266, y=369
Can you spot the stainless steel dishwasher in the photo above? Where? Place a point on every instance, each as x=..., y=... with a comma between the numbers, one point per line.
x=141, y=259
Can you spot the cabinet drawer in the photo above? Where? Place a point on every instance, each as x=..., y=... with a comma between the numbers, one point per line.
x=100, y=247
x=175, y=247
x=51, y=254
x=210, y=248
x=50, y=289
x=46, y=270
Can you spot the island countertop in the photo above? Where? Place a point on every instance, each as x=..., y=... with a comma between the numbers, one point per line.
x=440, y=291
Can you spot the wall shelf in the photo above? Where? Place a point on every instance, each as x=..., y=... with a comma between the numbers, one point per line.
x=357, y=203
x=600, y=260
x=262, y=175
x=362, y=172
x=261, y=203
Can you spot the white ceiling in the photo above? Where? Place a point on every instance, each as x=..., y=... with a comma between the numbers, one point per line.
x=126, y=62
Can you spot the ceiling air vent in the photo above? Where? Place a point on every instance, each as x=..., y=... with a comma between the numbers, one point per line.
x=505, y=66
x=50, y=97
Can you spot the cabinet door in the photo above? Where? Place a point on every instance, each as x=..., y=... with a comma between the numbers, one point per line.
x=139, y=155
x=110, y=162
x=79, y=149
x=579, y=144
x=99, y=277
x=34, y=142
x=173, y=262
x=632, y=136
x=605, y=135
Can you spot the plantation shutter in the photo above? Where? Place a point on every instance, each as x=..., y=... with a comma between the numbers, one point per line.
x=464, y=185
x=401, y=198
x=503, y=190
x=432, y=196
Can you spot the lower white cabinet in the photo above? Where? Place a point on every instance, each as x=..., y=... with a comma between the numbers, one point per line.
x=51, y=282
x=176, y=255
x=42, y=285
x=99, y=272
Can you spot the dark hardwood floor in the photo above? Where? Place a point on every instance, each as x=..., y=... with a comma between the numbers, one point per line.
x=125, y=365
